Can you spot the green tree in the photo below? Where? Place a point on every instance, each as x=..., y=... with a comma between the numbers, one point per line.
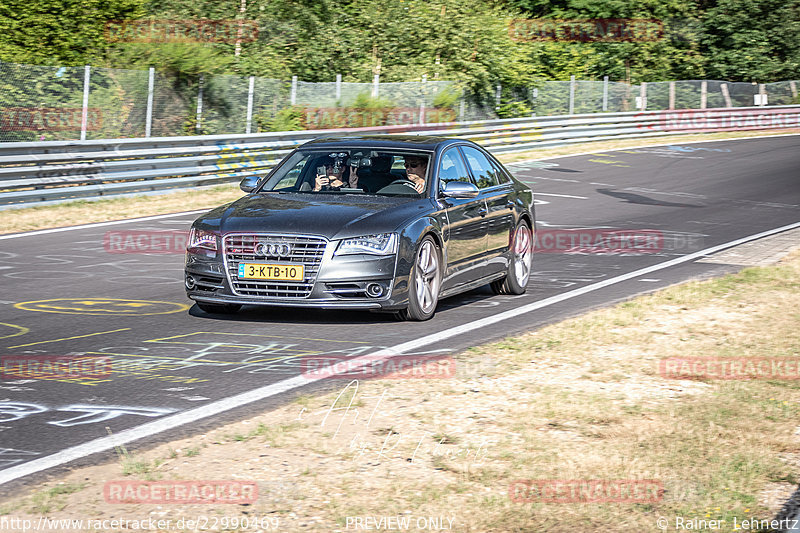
x=59, y=32
x=753, y=40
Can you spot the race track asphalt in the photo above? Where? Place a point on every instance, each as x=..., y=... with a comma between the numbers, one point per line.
x=65, y=294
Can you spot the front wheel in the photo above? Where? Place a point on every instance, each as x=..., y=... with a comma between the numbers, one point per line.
x=519, y=264
x=424, y=283
x=219, y=309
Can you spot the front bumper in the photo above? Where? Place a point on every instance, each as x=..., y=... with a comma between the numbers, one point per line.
x=341, y=282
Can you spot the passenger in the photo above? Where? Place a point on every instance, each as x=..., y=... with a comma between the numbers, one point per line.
x=331, y=178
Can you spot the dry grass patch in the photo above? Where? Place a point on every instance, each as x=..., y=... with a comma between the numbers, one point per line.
x=85, y=211
x=577, y=400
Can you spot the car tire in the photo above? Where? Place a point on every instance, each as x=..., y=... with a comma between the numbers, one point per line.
x=219, y=309
x=424, y=282
x=519, y=265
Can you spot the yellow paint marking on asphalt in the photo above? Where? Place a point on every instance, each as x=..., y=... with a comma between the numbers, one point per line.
x=21, y=330
x=103, y=306
x=248, y=335
x=70, y=338
x=262, y=360
x=74, y=381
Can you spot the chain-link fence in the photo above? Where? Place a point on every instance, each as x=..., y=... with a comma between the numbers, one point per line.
x=68, y=103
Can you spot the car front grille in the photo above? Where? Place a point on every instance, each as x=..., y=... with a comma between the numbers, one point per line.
x=239, y=248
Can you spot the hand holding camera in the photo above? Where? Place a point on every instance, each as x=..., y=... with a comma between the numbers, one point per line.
x=324, y=182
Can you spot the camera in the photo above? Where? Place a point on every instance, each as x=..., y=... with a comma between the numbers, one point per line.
x=359, y=160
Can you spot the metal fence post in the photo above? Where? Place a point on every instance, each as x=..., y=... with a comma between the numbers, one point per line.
x=250, y=91
x=672, y=95
x=723, y=87
x=375, y=82
x=762, y=90
x=338, y=87
x=572, y=95
x=793, y=87
x=85, y=110
x=703, y=94
x=293, y=93
x=643, y=96
x=198, y=117
x=422, y=103
x=148, y=120
x=461, y=110
x=605, y=93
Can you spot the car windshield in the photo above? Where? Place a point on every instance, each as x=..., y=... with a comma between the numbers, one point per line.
x=352, y=171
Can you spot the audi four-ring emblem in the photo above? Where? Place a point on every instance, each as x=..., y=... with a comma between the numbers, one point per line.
x=272, y=249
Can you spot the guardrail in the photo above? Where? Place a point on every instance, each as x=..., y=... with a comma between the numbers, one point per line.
x=51, y=171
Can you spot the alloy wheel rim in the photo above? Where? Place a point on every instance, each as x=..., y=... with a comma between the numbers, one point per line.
x=522, y=255
x=427, y=277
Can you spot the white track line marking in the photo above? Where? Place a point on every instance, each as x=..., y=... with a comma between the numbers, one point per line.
x=676, y=137
x=155, y=217
x=561, y=195
x=100, y=224
x=220, y=406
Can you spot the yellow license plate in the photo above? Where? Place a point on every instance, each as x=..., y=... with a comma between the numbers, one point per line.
x=271, y=271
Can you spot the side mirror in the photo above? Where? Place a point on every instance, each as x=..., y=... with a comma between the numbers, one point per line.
x=249, y=183
x=460, y=189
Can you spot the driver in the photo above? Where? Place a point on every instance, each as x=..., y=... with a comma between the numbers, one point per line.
x=416, y=168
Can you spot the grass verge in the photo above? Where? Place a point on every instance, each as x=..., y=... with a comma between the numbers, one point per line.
x=582, y=399
x=83, y=211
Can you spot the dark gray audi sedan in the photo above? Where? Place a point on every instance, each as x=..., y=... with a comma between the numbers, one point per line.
x=387, y=223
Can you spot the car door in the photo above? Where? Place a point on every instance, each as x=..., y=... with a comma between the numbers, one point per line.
x=466, y=230
x=495, y=191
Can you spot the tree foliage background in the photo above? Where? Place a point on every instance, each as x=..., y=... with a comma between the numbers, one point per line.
x=465, y=40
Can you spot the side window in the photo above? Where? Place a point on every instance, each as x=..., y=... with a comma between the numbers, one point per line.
x=486, y=175
x=451, y=168
x=501, y=176
x=291, y=177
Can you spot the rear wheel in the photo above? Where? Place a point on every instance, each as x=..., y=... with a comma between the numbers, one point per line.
x=219, y=309
x=519, y=265
x=424, y=283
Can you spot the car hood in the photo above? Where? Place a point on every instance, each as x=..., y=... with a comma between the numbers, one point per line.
x=329, y=215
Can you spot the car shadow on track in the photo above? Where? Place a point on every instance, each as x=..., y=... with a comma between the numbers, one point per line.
x=632, y=198
x=290, y=315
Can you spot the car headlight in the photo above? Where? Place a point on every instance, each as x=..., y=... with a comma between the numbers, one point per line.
x=383, y=244
x=199, y=238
